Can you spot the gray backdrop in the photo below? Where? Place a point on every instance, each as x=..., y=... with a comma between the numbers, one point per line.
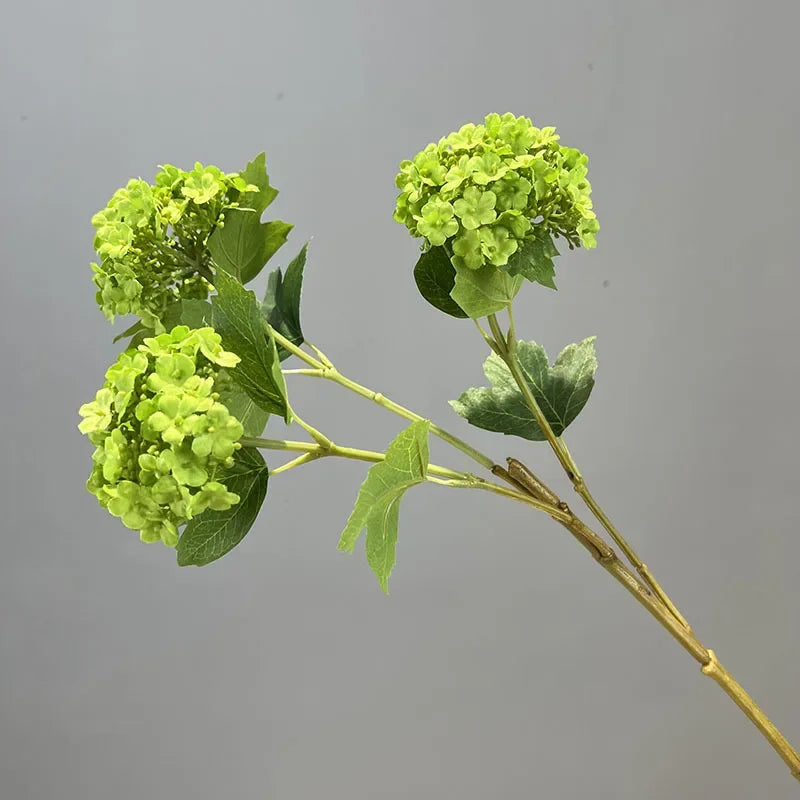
x=505, y=664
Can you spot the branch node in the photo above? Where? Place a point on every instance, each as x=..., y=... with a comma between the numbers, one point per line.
x=713, y=668
x=532, y=485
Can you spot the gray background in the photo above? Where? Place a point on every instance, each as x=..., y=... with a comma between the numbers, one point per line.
x=505, y=664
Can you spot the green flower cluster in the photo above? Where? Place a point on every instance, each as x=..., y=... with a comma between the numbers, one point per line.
x=161, y=434
x=486, y=188
x=151, y=239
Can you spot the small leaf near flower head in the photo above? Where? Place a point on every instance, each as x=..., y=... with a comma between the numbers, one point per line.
x=259, y=193
x=191, y=312
x=238, y=402
x=435, y=277
x=534, y=260
x=208, y=537
x=244, y=245
x=483, y=291
x=281, y=304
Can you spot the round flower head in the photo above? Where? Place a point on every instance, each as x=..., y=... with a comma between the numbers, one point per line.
x=483, y=190
x=162, y=437
x=151, y=239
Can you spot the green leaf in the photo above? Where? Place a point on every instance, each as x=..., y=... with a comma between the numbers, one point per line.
x=139, y=337
x=237, y=318
x=436, y=276
x=561, y=391
x=484, y=291
x=192, y=312
x=378, y=503
x=137, y=327
x=534, y=260
x=382, y=540
x=256, y=173
x=244, y=245
x=253, y=418
x=210, y=535
x=281, y=306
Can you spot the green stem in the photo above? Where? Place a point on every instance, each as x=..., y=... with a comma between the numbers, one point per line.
x=450, y=477
x=319, y=437
x=508, y=352
x=291, y=346
x=336, y=450
x=486, y=337
x=304, y=458
x=326, y=370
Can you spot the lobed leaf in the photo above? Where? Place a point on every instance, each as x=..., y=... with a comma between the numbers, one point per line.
x=378, y=504
x=245, y=244
x=255, y=173
x=534, y=260
x=483, y=291
x=561, y=391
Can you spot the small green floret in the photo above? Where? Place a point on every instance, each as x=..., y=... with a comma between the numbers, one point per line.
x=161, y=434
x=485, y=189
x=152, y=239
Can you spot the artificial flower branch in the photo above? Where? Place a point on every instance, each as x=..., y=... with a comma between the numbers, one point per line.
x=177, y=425
x=441, y=475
